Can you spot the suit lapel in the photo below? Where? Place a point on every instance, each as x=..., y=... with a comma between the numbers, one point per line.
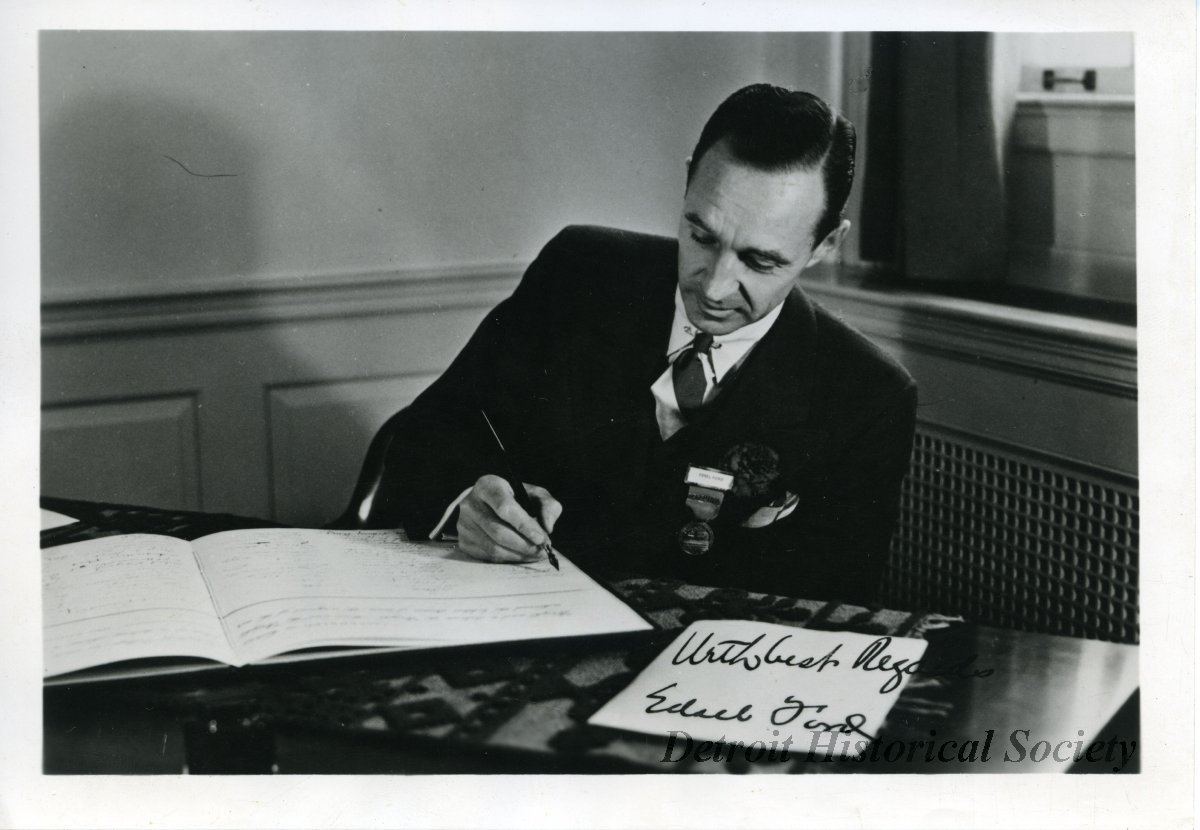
x=775, y=385
x=773, y=388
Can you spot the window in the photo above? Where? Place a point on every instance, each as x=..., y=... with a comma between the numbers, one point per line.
x=998, y=166
x=1070, y=174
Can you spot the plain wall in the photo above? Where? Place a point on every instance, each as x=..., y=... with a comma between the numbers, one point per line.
x=322, y=153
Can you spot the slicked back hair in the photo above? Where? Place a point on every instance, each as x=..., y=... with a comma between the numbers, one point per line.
x=773, y=129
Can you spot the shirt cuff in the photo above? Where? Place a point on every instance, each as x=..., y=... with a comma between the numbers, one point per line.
x=439, y=534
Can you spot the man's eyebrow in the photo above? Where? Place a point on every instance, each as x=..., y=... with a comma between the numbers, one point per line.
x=769, y=256
x=694, y=218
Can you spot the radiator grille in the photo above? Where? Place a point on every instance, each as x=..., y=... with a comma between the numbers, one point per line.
x=1009, y=541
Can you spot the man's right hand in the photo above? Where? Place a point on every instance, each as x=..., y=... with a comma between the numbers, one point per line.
x=493, y=527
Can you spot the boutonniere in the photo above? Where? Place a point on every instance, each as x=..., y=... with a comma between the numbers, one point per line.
x=756, y=472
x=757, y=497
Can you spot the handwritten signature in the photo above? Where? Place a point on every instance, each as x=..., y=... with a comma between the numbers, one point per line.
x=687, y=708
x=791, y=709
x=875, y=657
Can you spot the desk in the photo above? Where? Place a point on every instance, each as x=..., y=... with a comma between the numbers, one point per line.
x=523, y=708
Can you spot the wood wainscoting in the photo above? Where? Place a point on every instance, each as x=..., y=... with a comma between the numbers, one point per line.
x=261, y=401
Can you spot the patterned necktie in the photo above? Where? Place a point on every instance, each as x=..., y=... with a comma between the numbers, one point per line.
x=689, y=375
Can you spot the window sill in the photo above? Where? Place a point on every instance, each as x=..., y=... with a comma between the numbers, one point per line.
x=1075, y=349
x=1089, y=100
x=984, y=300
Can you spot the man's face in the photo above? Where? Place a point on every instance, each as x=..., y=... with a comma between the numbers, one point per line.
x=744, y=237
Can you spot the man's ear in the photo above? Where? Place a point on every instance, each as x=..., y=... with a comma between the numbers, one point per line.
x=829, y=244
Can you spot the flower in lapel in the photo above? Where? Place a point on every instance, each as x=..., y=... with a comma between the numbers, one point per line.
x=758, y=497
x=756, y=471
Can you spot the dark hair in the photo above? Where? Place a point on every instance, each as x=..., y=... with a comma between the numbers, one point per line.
x=770, y=128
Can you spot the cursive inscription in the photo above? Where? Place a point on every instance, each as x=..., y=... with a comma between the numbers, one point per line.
x=729, y=652
x=750, y=655
x=745, y=653
x=801, y=663
x=792, y=709
x=689, y=709
x=852, y=725
x=875, y=658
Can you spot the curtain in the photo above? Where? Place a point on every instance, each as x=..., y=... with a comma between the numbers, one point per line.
x=933, y=189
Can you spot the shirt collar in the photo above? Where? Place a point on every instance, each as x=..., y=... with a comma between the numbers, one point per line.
x=728, y=349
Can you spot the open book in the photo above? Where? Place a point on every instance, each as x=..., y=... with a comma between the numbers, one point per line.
x=243, y=596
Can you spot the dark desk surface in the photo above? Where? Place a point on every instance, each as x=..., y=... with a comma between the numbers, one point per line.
x=524, y=707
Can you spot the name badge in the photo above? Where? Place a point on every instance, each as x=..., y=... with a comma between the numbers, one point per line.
x=708, y=477
x=706, y=491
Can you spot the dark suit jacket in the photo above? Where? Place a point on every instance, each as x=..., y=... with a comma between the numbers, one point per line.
x=564, y=367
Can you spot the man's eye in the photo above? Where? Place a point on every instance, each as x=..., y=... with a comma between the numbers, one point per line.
x=703, y=239
x=760, y=266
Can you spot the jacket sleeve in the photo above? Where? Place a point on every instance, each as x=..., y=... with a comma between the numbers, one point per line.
x=440, y=443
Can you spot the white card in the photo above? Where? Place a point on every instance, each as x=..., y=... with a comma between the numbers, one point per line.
x=767, y=687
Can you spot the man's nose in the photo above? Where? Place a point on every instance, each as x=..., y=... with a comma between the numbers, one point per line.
x=722, y=277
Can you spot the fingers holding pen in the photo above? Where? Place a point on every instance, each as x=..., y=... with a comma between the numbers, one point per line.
x=493, y=527
x=550, y=508
x=492, y=541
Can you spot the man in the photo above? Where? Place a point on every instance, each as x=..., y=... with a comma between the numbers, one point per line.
x=625, y=364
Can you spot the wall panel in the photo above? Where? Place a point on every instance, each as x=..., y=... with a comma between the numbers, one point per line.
x=128, y=451
x=316, y=439
x=290, y=380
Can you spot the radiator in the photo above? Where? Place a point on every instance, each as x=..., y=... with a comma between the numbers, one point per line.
x=1010, y=538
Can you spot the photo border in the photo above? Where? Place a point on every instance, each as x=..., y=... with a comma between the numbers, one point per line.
x=1161, y=795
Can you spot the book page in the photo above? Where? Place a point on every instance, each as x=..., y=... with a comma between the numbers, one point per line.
x=280, y=590
x=123, y=598
x=52, y=519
